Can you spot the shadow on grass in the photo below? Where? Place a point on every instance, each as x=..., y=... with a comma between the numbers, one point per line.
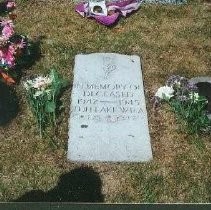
x=30, y=56
x=8, y=104
x=3, y=8
x=80, y=185
x=8, y=99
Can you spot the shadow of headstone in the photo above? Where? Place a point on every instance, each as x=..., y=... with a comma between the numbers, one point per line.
x=79, y=185
x=8, y=104
x=205, y=90
x=204, y=86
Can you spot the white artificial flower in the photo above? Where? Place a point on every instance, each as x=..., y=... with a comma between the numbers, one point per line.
x=3, y=38
x=3, y=61
x=38, y=93
x=28, y=84
x=178, y=83
x=194, y=96
x=3, y=41
x=42, y=82
x=165, y=92
x=48, y=91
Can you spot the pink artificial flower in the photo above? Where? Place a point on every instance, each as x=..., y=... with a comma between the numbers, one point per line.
x=7, y=57
x=5, y=22
x=10, y=59
x=12, y=49
x=8, y=29
x=1, y=54
x=21, y=44
x=11, y=5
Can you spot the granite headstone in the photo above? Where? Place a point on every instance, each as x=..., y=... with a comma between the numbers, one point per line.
x=108, y=120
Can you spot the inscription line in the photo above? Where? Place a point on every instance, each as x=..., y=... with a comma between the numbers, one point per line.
x=108, y=101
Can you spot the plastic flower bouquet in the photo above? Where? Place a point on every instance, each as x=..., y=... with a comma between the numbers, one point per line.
x=11, y=45
x=185, y=101
x=42, y=94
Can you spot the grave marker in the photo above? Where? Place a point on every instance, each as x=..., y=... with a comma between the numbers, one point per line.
x=108, y=119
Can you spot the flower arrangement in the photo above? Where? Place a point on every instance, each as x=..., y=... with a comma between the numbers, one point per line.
x=42, y=94
x=11, y=45
x=186, y=102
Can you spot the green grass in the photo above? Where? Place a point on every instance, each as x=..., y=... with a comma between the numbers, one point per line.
x=170, y=40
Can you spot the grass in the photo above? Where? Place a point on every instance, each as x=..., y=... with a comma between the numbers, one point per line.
x=170, y=40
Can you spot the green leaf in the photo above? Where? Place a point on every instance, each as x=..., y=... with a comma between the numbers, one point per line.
x=58, y=81
x=50, y=107
x=54, y=75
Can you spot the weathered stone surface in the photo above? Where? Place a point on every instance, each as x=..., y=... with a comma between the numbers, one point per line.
x=108, y=113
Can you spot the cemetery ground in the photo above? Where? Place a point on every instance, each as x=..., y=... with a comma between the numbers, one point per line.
x=171, y=40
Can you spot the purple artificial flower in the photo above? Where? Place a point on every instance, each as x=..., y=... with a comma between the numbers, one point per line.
x=183, y=98
x=177, y=81
x=173, y=80
x=192, y=87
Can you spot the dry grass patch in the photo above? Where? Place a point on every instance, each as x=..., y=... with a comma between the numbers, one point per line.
x=170, y=40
